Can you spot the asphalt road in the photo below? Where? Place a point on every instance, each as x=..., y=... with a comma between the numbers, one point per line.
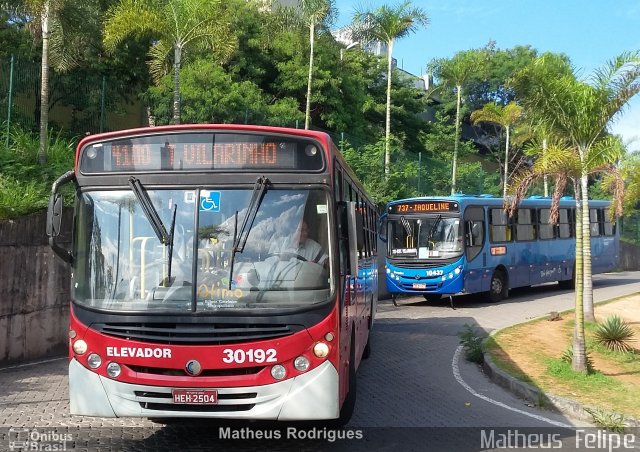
x=414, y=393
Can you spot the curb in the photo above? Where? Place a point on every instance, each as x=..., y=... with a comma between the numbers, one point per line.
x=539, y=398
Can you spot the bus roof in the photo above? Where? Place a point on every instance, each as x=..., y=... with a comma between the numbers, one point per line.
x=490, y=200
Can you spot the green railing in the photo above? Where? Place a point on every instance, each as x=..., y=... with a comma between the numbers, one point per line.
x=80, y=102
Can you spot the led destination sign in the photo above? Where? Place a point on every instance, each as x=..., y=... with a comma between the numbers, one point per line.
x=200, y=152
x=424, y=207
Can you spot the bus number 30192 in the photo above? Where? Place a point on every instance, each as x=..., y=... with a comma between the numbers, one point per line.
x=257, y=355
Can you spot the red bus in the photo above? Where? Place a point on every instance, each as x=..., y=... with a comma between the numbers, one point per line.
x=223, y=271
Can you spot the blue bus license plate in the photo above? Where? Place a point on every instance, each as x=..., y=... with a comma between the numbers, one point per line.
x=419, y=286
x=195, y=396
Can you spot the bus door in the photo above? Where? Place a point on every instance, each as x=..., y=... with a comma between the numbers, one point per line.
x=475, y=252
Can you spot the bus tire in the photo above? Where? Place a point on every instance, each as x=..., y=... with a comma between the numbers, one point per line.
x=432, y=297
x=498, y=287
x=366, y=353
x=346, y=411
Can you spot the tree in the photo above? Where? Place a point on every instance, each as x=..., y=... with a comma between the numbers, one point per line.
x=59, y=25
x=580, y=112
x=506, y=117
x=210, y=95
x=311, y=14
x=454, y=73
x=314, y=13
x=560, y=159
x=387, y=24
x=173, y=25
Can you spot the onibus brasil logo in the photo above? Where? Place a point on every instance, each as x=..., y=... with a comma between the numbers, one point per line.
x=38, y=439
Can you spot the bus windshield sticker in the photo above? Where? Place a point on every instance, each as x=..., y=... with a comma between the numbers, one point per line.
x=209, y=201
x=321, y=208
x=404, y=251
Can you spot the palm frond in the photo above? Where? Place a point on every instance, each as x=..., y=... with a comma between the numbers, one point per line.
x=160, y=60
x=131, y=17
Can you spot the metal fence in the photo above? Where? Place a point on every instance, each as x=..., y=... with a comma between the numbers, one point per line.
x=80, y=102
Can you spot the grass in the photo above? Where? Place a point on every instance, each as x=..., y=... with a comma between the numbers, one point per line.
x=614, y=390
x=25, y=185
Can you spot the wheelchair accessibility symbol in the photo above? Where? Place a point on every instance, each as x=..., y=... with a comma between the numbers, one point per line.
x=209, y=201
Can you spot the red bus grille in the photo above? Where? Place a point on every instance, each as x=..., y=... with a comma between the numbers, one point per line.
x=205, y=373
x=166, y=395
x=198, y=408
x=195, y=334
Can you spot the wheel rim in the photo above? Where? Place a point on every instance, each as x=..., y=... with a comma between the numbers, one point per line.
x=496, y=285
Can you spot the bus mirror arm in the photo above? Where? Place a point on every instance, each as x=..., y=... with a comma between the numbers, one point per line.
x=54, y=216
x=352, y=231
x=382, y=228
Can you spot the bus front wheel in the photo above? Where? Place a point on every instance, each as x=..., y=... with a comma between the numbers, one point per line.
x=346, y=411
x=432, y=297
x=498, y=287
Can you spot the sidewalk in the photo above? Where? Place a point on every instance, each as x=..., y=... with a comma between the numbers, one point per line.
x=551, y=340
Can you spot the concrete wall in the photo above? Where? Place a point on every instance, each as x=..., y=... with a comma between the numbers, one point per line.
x=34, y=291
x=629, y=257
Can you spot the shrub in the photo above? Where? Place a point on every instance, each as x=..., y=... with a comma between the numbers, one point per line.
x=25, y=185
x=614, y=422
x=472, y=344
x=615, y=334
x=567, y=357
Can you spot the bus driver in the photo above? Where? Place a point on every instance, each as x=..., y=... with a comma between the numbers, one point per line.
x=301, y=245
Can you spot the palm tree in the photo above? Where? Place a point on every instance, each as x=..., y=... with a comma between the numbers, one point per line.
x=60, y=25
x=559, y=159
x=174, y=25
x=505, y=117
x=580, y=112
x=314, y=13
x=310, y=14
x=454, y=73
x=387, y=24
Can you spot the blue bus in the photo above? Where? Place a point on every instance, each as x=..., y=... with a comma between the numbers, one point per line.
x=469, y=244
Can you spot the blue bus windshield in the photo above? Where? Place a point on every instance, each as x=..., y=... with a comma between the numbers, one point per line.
x=424, y=237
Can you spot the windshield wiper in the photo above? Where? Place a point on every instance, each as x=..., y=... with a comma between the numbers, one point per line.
x=407, y=226
x=434, y=227
x=259, y=190
x=240, y=237
x=166, y=238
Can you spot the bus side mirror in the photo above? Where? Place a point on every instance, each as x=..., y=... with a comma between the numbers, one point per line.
x=359, y=230
x=382, y=228
x=54, y=216
x=348, y=233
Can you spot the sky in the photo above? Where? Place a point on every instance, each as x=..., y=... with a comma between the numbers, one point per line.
x=589, y=32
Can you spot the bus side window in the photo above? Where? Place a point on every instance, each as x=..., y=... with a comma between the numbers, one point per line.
x=500, y=228
x=595, y=225
x=609, y=224
x=525, y=224
x=547, y=230
x=564, y=223
x=474, y=231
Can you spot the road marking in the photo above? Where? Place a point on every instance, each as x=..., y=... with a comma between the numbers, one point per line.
x=456, y=374
x=18, y=366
